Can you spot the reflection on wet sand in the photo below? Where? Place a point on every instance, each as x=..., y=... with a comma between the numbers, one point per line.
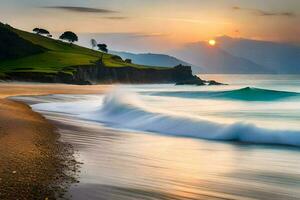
x=127, y=165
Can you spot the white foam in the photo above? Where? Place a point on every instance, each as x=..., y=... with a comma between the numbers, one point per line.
x=125, y=110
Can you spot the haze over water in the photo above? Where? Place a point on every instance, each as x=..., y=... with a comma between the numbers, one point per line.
x=126, y=139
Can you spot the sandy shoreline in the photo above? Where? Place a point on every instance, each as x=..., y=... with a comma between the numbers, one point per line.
x=33, y=161
x=127, y=164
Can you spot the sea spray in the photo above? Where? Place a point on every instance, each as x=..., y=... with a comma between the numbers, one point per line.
x=125, y=110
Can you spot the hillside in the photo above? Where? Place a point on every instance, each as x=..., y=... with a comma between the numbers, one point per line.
x=13, y=46
x=43, y=54
x=32, y=57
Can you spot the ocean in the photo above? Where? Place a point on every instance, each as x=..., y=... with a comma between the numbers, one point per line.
x=235, y=141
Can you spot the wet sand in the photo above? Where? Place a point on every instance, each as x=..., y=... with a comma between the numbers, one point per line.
x=34, y=164
x=21, y=89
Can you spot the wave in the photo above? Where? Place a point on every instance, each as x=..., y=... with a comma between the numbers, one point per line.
x=244, y=94
x=126, y=111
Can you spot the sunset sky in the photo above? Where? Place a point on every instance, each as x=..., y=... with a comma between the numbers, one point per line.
x=158, y=24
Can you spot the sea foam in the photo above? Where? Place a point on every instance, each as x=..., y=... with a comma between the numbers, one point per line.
x=125, y=110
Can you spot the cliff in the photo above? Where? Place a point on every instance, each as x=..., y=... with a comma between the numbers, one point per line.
x=100, y=74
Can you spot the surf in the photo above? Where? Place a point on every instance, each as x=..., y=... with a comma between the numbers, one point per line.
x=243, y=94
x=124, y=110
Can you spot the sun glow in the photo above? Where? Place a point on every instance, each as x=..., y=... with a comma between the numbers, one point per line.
x=212, y=42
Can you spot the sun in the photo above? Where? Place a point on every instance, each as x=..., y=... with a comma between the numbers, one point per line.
x=212, y=42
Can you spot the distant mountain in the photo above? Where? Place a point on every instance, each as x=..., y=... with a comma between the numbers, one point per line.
x=236, y=55
x=278, y=57
x=154, y=59
x=216, y=60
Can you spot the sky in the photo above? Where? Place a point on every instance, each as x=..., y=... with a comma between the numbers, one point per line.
x=158, y=25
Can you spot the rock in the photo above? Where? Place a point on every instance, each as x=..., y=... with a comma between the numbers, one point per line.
x=191, y=82
x=212, y=82
x=198, y=82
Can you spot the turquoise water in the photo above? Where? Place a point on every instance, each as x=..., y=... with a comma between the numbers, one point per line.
x=271, y=102
x=243, y=94
x=237, y=141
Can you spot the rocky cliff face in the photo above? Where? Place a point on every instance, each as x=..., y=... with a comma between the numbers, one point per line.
x=99, y=74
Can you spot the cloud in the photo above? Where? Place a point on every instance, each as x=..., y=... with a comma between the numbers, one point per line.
x=147, y=35
x=129, y=35
x=116, y=18
x=260, y=12
x=283, y=14
x=81, y=9
x=187, y=20
x=236, y=8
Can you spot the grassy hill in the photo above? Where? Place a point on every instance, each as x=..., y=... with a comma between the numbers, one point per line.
x=41, y=54
x=12, y=46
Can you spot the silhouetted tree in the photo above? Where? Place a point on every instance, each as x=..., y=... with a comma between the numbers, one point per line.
x=41, y=31
x=36, y=30
x=44, y=32
x=69, y=36
x=128, y=60
x=94, y=43
x=102, y=47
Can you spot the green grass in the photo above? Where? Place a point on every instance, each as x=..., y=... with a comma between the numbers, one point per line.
x=51, y=61
x=55, y=45
x=59, y=57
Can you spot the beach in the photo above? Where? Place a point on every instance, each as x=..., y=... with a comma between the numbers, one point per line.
x=183, y=142
x=150, y=100
x=167, y=142
x=34, y=163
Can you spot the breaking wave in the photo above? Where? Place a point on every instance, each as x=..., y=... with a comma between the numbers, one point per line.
x=244, y=94
x=125, y=110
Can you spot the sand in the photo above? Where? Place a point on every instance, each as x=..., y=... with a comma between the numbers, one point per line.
x=17, y=89
x=33, y=163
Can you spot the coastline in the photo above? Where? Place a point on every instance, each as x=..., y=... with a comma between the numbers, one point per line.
x=34, y=163
x=127, y=164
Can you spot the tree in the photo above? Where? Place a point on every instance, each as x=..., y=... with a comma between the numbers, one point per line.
x=102, y=47
x=36, y=30
x=94, y=43
x=128, y=61
x=44, y=32
x=41, y=31
x=69, y=36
